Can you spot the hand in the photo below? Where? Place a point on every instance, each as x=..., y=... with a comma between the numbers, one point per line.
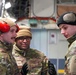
x=24, y=70
x=51, y=70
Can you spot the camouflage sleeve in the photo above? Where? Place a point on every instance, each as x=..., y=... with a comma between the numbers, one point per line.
x=2, y=69
x=47, y=67
x=44, y=69
x=71, y=59
x=73, y=65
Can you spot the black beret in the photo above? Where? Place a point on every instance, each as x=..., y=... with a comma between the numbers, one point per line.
x=67, y=18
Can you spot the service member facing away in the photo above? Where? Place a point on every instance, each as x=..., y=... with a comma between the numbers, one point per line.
x=35, y=61
x=8, y=31
x=67, y=25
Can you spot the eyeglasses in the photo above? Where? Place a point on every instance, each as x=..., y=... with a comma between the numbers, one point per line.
x=23, y=38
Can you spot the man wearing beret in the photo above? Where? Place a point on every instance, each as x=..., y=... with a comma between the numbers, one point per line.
x=32, y=61
x=8, y=30
x=67, y=25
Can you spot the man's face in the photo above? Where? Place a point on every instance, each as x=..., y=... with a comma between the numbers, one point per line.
x=9, y=36
x=67, y=30
x=23, y=42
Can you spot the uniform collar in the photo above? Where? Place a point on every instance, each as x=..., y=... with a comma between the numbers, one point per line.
x=72, y=39
x=6, y=46
x=22, y=52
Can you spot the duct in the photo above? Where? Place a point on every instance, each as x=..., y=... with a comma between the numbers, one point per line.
x=21, y=8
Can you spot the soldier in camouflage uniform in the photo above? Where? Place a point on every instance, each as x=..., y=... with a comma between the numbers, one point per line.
x=67, y=25
x=8, y=31
x=36, y=60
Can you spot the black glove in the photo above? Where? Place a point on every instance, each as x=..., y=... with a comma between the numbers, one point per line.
x=24, y=69
x=52, y=70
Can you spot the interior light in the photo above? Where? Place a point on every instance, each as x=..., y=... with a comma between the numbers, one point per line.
x=7, y=5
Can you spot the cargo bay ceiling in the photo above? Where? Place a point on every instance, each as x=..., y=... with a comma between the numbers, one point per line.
x=19, y=8
x=22, y=8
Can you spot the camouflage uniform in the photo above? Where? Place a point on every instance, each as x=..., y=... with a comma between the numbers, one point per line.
x=70, y=58
x=36, y=60
x=7, y=62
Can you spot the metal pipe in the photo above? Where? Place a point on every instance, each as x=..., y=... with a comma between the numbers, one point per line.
x=3, y=8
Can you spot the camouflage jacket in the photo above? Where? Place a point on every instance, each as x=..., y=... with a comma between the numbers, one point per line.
x=7, y=63
x=70, y=58
x=36, y=60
